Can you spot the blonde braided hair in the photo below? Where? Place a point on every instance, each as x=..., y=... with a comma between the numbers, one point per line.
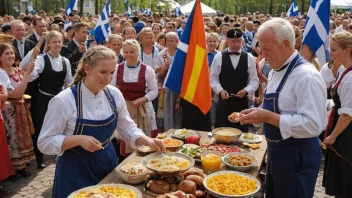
x=91, y=57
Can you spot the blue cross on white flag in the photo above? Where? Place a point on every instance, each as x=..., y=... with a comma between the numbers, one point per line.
x=30, y=7
x=178, y=12
x=147, y=11
x=293, y=10
x=126, y=4
x=102, y=30
x=72, y=5
x=316, y=29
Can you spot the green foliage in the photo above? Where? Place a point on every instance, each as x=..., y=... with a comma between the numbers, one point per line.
x=224, y=6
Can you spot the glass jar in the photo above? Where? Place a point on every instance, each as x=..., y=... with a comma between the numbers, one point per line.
x=192, y=137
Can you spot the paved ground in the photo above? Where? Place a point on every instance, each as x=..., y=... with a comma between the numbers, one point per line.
x=39, y=184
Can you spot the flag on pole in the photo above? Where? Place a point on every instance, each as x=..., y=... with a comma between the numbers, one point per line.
x=72, y=5
x=293, y=10
x=316, y=30
x=178, y=12
x=102, y=29
x=126, y=4
x=30, y=7
x=189, y=73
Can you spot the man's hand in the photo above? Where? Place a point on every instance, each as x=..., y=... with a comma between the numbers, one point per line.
x=241, y=93
x=224, y=95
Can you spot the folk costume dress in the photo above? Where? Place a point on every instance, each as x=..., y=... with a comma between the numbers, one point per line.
x=78, y=111
x=19, y=125
x=167, y=117
x=297, y=92
x=6, y=168
x=53, y=74
x=150, y=60
x=338, y=158
x=136, y=82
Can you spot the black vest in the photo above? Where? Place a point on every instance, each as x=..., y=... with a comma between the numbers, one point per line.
x=51, y=81
x=233, y=80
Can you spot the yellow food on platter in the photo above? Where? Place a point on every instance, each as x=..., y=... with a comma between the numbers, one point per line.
x=252, y=146
x=228, y=132
x=171, y=142
x=107, y=192
x=170, y=163
x=239, y=160
x=249, y=136
x=231, y=184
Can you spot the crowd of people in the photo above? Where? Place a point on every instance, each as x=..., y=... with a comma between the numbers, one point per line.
x=60, y=90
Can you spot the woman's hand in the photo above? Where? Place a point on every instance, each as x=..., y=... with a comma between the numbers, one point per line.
x=155, y=144
x=36, y=51
x=89, y=143
x=139, y=101
x=178, y=107
x=330, y=140
x=30, y=68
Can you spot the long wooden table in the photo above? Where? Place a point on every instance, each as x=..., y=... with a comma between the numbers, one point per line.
x=114, y=176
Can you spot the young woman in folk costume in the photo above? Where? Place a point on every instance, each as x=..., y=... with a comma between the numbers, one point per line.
x=129, y=33
x=54, y=73
x=137, y=82
x=338, y=136
x=149, y=54
x=16, y=112
x=6, y=168
x=86, y=154
x=169, y=115
x=115, y=43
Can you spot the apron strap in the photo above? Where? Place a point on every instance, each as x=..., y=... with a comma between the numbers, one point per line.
x=111, y=101
x=294, y=63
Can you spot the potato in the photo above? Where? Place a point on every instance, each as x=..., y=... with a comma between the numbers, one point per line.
x=200, y=193
x=179, y=194
x=193, y=171
x=190, y=196
x=173, y=187
x=158, y=186
x=196, y=179
x=179, y=177
x=187, y=186
x=169, y=180
x=170, y=196
x=161, y=196
x=152, y=176
x=203, y=175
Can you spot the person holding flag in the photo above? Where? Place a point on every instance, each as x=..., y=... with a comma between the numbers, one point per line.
x=233, y=76
x=189, y=75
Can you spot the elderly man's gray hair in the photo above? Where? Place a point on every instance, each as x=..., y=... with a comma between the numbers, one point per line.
x=282, y=29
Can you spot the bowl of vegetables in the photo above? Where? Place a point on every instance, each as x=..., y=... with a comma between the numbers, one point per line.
x=191, y=150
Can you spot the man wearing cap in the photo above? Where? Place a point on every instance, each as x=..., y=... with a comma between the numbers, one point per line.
x=233, y=76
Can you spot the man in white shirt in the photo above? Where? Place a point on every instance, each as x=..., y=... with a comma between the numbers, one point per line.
x=39, y=27
x=293, y=114
x=233, y=76
x=22, y=45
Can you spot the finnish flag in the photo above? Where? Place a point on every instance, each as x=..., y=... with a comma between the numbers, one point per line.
x=72, y=5
x=102, y=30
x=293, y=10
x=316, y=29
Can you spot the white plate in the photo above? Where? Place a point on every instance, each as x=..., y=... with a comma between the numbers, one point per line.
x=219, y=195
x=131, y=188
x=257, y=138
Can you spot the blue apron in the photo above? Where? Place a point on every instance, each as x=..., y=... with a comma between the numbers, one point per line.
x=293, y=164
x=78, y=168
